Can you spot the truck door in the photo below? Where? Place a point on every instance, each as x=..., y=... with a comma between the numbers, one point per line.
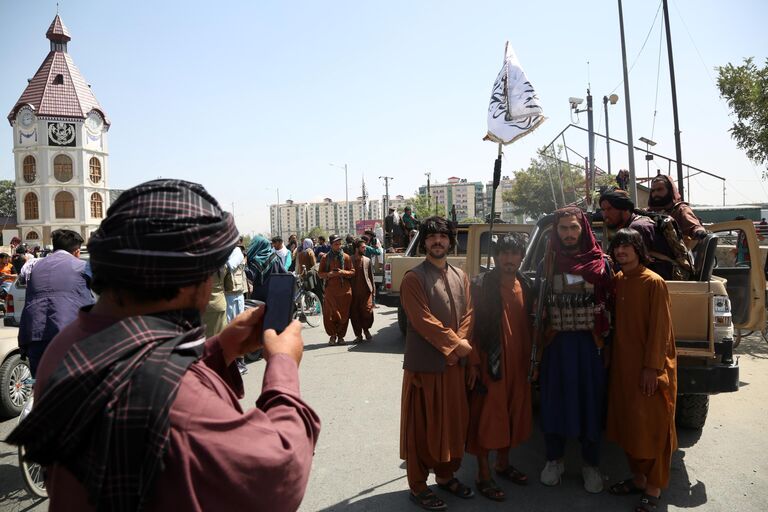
x=738, y=259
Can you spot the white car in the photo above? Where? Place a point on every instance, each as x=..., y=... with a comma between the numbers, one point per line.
x=13, y=372
x=14, y=304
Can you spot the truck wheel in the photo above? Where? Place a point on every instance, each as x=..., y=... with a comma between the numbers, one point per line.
x=402, y=320
x=691, y=411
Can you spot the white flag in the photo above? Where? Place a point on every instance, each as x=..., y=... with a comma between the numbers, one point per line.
x=514, y=111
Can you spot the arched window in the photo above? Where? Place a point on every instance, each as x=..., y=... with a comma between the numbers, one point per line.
x=62, y=168
x=29, y=167
x=97, y=206
x=64, y=205
x=31, y=207
x=95, y=166
x=32, y=235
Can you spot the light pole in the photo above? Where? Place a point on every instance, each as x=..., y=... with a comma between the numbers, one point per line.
x=613, y=98
x=630, y=138
x=429, y=191
x=591, y=139
x=648, y=156
x=346, y=195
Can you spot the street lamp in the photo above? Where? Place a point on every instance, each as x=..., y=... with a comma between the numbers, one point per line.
x=575, y=102
x=648, y=156
x=346, y=195
x=613, y=99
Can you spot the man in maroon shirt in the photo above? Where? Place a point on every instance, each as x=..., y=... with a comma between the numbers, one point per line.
x=134, y=408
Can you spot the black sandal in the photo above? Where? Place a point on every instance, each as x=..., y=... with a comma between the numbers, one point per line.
x=490, y=490
x=624, y=488
x=457, y=488
x=428, y=500
x=647, y=503
x=513, y=475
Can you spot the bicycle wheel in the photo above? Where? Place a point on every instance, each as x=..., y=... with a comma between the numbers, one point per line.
x=311, y=309
x=33, y=474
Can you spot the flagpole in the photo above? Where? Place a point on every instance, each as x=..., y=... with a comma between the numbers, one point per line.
x=496, y=181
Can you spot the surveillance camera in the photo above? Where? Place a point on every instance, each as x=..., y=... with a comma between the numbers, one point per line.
x=575, y=101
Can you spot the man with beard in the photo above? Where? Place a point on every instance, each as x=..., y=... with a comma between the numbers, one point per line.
x=619, y=212
x=643, y=386
x=500, y=403
x=664, y=198
x=572, y=371
x=434, y=411
x=134, y=408
x=336, y=270
x=361, y=310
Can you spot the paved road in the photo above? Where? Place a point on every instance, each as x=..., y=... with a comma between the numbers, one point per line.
x=356, y=391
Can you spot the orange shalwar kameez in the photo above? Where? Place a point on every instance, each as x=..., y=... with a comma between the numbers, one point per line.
x=644, y=426
x=502, y=417
x=337, y=297
x=434, y=411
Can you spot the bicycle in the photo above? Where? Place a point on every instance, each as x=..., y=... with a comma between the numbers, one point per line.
x=308, y=307
x=32, y=473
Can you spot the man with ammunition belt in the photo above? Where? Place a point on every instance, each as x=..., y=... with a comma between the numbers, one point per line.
x=573, y=286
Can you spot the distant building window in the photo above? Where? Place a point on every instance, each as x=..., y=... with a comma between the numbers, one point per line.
x=29, y=166
x=95, y=167
x=31, y=207
x=62, y=168
x=97, y=206
x=32, y=235
x=64, y=205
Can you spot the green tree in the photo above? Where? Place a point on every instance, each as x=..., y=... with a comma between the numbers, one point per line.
x=472, y=220
x=316, y=232
x=7, y=198
x=533, y=188
x=745, y=89
x=423, y=209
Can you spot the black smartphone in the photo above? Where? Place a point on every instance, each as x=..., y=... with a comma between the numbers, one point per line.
x=280, y=304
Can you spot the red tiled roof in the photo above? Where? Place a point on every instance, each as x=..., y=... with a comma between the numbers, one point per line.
x=68, y=96
x=57, y=31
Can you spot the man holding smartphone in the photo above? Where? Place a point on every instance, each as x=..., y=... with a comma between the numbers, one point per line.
x=135, y=408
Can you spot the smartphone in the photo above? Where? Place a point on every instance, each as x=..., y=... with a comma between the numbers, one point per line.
x=280, y=304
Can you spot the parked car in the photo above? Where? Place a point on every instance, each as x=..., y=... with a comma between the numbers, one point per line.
x=13, y=372
x=14, y=304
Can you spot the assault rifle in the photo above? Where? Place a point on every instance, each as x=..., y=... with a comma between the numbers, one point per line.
x=538, y=321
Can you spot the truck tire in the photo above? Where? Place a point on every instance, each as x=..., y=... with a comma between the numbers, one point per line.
x=402, y=320
x=691, y=411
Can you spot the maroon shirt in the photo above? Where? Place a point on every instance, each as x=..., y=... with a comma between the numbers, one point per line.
x=219, y=458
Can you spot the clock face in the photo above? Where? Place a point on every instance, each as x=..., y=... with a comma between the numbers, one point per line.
x=94, y=122
x=26, y=118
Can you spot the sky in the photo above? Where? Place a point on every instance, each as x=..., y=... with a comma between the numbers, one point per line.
x=253, y=97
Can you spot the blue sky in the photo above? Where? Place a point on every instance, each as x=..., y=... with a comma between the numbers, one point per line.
x=248, y=97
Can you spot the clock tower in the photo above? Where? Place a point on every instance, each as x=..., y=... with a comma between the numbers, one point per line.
x=60, y=148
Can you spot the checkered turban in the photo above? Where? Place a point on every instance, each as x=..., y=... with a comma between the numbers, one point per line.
x=162, y=234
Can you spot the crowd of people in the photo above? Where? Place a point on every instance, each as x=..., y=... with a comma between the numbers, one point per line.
x=611, y=367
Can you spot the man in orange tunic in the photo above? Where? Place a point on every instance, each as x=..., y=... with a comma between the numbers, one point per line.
x=434, y=411
x=361, y=311
x=336, y=270
x=500, y=403
x=643, y=385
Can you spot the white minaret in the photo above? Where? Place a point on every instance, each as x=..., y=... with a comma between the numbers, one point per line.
x=60, y=148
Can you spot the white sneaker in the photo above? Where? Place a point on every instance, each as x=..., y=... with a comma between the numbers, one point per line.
x=552, y=472
x=593, y=479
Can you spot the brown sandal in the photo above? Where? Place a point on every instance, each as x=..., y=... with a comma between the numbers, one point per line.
x=428, y=500
x=513, y=475
x=490, y=490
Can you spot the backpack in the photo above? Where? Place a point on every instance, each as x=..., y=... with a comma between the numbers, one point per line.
x=666, y=226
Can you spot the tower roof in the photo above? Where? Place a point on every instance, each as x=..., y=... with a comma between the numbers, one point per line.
x=58, y=89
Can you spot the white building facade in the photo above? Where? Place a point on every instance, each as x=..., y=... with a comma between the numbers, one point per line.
x=61, y=155
x=332, y=216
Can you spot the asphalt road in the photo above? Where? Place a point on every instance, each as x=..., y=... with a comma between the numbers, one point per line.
x=356, y=391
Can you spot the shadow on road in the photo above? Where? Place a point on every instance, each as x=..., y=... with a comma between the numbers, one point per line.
x=754, y=346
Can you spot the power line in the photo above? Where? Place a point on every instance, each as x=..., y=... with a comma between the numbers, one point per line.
x=648, y=35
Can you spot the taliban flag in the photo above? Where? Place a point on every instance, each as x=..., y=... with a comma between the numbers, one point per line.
x=514, y=111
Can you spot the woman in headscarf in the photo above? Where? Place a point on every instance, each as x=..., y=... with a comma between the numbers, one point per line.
x=262, y=263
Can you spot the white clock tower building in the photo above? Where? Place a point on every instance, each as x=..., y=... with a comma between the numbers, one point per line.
x=60, y=149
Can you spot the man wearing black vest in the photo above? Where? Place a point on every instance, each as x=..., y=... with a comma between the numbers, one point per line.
x=434, y=410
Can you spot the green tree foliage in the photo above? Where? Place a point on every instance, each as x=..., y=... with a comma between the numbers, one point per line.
x=533, y=188
x=745, y=88
x=424, y=209
x=7, y=198
x=471, y=220
x=316, y=232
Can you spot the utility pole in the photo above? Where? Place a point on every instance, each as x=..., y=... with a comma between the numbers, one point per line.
x=678, y=151
x=591, y=135
x=346, y=195
x=630, y=138
x=429, y=191
x=386, y=193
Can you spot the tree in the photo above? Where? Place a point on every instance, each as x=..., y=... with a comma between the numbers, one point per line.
x=533, y=189
x=424, y=209
x=316, y=232
x=7, y=198
x=472, y=220
x=744, y=88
